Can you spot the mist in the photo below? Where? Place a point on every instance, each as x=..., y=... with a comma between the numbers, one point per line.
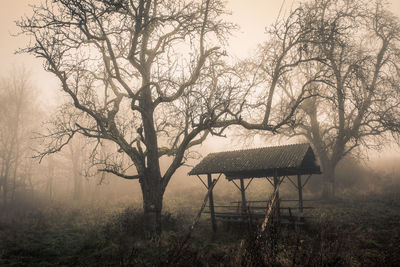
x=104, y=112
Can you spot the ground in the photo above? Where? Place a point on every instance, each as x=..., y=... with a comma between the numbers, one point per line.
x=354, y=230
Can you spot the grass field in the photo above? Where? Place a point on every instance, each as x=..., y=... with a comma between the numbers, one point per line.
x=362, y=230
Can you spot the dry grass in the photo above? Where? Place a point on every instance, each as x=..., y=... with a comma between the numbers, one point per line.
x=357, y=231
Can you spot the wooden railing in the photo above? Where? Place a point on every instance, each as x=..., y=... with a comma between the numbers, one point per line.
x=259, y=210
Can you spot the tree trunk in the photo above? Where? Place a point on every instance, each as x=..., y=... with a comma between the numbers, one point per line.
x=50, y=176
x=77, y=186
x=5, y=189
x=77, y=191
x=76, y=160
x=152, y=205
x=328, y=191
x=2, y=178
x=5, y=183
x=14, y=188
x=30, y=185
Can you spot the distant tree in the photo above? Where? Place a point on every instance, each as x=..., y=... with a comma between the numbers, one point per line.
x=49, y=178
x=142, y=75
x=17, y=109
x=77, y=158
x=355, y=46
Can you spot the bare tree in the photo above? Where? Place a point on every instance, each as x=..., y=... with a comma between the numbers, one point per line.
x=355, y=47
x=77, y=153
x=17, y=108
x=141, y=75
x=49, y=178
x=271, y=105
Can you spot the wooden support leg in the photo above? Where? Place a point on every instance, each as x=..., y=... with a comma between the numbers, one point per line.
x=243, y=192
x=300, y=187
x=276, y=187
x=276, y=184
x=211, y=204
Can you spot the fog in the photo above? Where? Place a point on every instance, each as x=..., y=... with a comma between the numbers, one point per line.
x=54, y=161
x=52, y=179
x=252, y=19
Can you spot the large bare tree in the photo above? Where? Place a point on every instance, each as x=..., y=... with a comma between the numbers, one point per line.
x=355, y=49
x=143, y=77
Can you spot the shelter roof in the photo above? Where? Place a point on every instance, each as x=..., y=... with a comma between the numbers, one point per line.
x=260, y=162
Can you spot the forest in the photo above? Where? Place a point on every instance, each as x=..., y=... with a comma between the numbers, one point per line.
x=96, y=162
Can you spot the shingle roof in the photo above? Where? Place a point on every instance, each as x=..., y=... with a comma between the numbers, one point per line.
x=260, y=162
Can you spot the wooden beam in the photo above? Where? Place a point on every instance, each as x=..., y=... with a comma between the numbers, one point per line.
x=202, y=181
x=308, y=178
x=211, y=204
x=293, y=183
x=300, y=188
x=233, y=181
x=249, y=183
x=269, y=181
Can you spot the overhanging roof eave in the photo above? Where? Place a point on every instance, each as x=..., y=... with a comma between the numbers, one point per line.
x=263, y=173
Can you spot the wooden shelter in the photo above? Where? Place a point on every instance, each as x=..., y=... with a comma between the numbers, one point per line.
x=274, y=163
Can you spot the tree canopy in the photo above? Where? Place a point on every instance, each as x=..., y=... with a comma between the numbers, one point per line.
x=355, y=49
x=145, y=76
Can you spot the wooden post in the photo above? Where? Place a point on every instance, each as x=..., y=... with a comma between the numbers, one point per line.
x=243, y=191
x=211, y=204
x=276, y=181
x=276, y=187
x=300, y=187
